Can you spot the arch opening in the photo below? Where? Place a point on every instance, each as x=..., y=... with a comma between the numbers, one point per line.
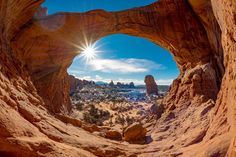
x=63, y=31
x=109, y=90
x=120, y=49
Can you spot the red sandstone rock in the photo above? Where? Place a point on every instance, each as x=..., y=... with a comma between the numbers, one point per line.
x=76, y=83
x=35, y=54
x=68, y=120
x=91, y=128
x=114, y=135
x=48, y=64
x=135, y=133
x=151, y=85
x=41, y=12
x=157, y=109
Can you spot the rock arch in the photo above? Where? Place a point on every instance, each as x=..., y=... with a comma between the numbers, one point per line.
x=49, y=44
x=32, y=54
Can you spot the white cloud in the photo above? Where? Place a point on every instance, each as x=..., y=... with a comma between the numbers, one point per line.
x=164, y=82
x=98, y=78
x=85, y=78
x=74, y=71
x=130, y=65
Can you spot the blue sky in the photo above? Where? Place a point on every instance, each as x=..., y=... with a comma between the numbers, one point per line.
x=120, y=57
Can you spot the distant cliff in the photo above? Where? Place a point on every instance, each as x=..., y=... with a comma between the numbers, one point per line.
x=76, y=83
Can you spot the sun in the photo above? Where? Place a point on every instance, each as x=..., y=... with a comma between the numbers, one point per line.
x=89, y=52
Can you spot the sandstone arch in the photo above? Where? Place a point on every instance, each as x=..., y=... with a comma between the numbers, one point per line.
x=51, y=43
x=26, y=83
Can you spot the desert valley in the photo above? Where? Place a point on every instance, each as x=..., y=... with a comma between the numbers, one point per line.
x=118, y=112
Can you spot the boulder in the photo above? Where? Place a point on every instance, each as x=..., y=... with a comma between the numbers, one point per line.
x=135, y=133
x=157, y=110
x=114, y=135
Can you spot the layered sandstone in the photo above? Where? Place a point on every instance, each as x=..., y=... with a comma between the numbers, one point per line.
x=37, y=50
x=225, y=13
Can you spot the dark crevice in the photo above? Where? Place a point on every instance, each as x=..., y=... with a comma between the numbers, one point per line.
x=216, y=57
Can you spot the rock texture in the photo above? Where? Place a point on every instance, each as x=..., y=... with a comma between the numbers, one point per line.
x=114, y=135
x=151, y=86
x=36, y=51
x=63, y=33
x=135, y=133
x=75, y=83
x=157, y=110
x=226, y=16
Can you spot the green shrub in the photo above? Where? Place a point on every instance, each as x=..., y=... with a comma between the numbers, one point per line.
x=79, y=106
x=96, y=116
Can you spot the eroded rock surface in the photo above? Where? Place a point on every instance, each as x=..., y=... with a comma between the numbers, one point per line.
x=114, y=135
x=135, y=133
x=62, y=34
x=37, y=50
x=151, y=85
x=75, y=83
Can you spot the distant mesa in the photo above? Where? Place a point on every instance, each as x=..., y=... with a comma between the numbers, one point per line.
x=151, y=86
x=76, y=83
x=121, y=85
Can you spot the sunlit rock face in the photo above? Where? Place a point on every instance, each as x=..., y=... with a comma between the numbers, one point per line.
x=225, y=13
x=36, y=51
x=151, y=86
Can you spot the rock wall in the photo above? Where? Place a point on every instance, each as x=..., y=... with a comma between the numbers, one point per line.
x=37, y=50
x=225, y=12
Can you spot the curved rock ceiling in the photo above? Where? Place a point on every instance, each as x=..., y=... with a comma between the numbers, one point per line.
x=61, y=35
